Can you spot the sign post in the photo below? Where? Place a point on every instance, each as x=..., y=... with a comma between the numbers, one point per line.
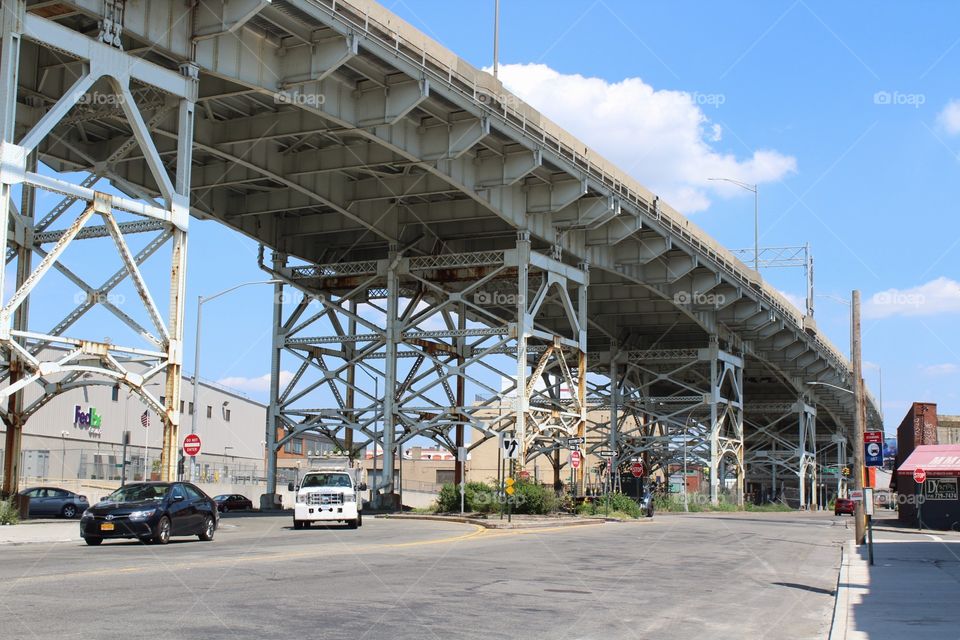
x=873, y=448
x=919, y=477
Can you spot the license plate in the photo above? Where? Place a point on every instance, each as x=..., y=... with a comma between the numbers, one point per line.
x=106, y=526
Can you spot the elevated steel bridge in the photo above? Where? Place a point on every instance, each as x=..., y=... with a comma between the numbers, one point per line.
x=432, y=234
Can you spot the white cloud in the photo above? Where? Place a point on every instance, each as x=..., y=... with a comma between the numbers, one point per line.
x=937, y=297
x=949, y=118
x=259, y=384
x=945, y=369
x=662, y=138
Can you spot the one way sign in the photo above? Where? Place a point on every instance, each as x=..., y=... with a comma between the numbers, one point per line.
x=510, y=447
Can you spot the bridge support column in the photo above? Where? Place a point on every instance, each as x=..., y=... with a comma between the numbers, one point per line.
x=726, y=419
x=523, y=320
x=392, y=337
x=271, y=499
x=50, y=359
x=13, y=11
x=614, y=442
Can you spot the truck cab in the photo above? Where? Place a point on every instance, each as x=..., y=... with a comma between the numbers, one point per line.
x=328, y=495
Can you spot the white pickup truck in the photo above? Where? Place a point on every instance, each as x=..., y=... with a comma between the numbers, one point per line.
x=329, y=495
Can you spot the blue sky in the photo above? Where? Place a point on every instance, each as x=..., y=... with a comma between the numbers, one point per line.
x=842, y=112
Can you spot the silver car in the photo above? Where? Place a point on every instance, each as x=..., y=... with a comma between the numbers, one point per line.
x=54, y=502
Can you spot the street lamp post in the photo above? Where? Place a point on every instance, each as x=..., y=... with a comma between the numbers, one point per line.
x=196, y=359
x=63, y=452
x=754, y=189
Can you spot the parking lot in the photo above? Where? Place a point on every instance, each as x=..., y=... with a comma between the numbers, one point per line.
x=704, y=575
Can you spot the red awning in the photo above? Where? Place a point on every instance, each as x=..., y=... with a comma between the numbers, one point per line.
x=935, y=459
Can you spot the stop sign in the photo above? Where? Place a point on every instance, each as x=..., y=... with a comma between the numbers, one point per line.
x=636, y=469
x=575, y=459
x=919, y=475
x=191, y=444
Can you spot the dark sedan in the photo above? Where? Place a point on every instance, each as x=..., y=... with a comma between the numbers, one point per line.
x=152, y=512
x=50, y=501
x=232, y=502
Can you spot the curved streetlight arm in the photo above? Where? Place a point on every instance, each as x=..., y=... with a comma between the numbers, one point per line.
x=755, y=190
x=752, y=188
x=832, y=386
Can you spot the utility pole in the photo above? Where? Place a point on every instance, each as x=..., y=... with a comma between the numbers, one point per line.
x=858, y=417
x=496, y=37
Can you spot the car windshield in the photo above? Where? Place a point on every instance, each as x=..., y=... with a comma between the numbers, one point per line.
x=138, y=493
x=221, y=497
x=326, y=480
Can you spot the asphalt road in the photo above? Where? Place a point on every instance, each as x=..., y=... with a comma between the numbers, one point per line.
x=702, y=576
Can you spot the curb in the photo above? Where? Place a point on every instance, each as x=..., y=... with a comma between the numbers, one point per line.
x=838, y=627
x=487, y=524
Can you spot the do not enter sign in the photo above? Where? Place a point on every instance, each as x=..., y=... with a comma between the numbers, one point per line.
x=575, y=459
x=919, y=475
x=191, y=444
x=636, y=469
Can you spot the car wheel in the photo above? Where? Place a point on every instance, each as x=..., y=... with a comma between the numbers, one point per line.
x=162, y=534
x=353, y=524
x=208, y=530
x=92, y=541
x=298, y=524
x=69, y=512
x=224, y=509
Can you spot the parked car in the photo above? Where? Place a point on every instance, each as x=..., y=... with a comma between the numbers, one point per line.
x=152, y=512
x=844, y=505
x=51, y=501
x=232, y=502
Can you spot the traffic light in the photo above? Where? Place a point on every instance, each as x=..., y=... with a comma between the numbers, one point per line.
x=846, y=472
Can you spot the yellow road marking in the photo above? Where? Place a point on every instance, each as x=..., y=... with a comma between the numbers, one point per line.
x=478, y=532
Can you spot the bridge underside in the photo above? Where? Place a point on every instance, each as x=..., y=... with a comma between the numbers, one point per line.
x=451, y=264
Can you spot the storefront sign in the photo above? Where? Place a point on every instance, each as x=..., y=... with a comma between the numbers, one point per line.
x=941, y=488
x=89, y=419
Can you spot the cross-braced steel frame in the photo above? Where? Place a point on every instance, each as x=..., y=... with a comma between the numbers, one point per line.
x=430, y=332
x=135, y=94
x=670, y=405
x=782, y=445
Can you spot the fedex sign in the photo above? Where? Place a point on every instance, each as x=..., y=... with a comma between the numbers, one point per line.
x=88, y=419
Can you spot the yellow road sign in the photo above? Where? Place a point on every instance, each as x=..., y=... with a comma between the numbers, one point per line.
x=510, y=490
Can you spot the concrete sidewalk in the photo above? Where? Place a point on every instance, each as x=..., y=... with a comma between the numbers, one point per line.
x=27, y=532
x=909, y=592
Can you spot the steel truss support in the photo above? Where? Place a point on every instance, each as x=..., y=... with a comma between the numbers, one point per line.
x=667, y=406
x=393, y=349
x=782, y=445
x=53, y=360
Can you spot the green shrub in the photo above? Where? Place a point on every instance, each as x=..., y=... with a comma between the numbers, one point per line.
x=8, y=512
x=478, y=497
x=533, y=498
x=619, y=503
